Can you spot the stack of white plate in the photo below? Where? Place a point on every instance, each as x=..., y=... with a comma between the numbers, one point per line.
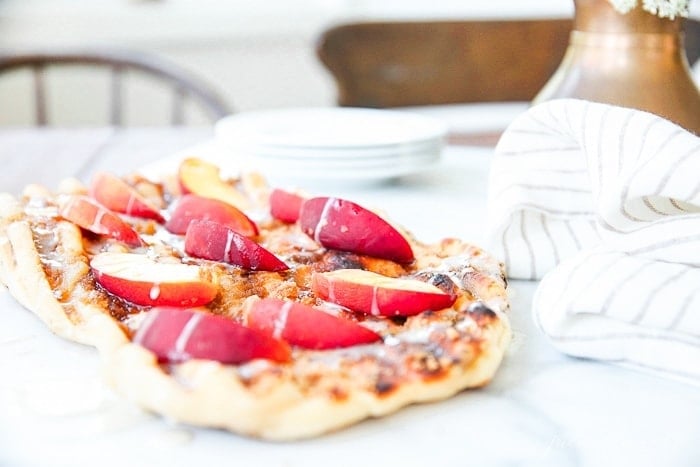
x=332, y=144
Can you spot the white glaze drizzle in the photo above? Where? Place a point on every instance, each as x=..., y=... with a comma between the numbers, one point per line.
x=374, y=309
x=323, y=219
x=154, y=293
x=97, y=222
x=229, y=242
x=179, y=351
x=281, y=321
x=130, y=203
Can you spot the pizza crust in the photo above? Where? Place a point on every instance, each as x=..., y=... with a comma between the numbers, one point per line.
x=22, y=273
x=214, y=395
x=271, y=404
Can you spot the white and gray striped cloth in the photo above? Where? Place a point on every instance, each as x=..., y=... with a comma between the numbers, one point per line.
x=603, y=203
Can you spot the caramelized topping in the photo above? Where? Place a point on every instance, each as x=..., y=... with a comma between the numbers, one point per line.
x=421, y=346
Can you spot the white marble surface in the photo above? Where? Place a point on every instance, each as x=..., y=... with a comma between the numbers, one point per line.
x=543, y=408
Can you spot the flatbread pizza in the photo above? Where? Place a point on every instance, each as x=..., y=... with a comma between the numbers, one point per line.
x=221, y=302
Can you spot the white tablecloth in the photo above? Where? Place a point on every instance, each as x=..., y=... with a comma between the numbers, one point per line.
x=541, y=409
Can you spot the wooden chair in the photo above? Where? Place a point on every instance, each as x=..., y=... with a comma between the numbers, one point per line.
x=391, y=64
x=184, y=86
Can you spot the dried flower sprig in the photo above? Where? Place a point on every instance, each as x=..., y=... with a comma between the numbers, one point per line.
x=662, y=8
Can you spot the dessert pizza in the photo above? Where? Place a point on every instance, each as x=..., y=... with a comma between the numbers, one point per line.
x=225, y=303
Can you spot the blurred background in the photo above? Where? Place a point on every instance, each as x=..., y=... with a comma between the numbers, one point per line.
x=256, y=54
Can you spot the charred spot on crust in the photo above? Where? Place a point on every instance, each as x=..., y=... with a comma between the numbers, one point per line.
x=334, y=259
x=398, y=320
x=304, y=257
x=383, y=387
x=479, y=311
x=427, y=364
x=438, y=279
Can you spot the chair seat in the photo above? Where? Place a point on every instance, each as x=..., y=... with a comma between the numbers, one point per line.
x=403, y=63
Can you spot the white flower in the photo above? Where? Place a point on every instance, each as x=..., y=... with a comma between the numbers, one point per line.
x=662, y=8
x=623, y=6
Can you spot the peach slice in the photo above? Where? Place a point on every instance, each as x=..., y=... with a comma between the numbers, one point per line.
x=203, y=178
x=307, y=327
x=378, y=295
x=285, y=206
x=144, y=281
x=193, y=207
x=179, y=334
x=117, y=195
x=216, y=242
x=343, y=225
x=92, y=216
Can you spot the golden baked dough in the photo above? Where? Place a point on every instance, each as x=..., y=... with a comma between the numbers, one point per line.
x=44, y=262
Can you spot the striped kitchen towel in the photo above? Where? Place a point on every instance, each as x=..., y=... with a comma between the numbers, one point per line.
x=603, y=203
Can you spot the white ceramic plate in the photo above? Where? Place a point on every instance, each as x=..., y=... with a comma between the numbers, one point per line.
x=324, y=158
x=347, y=153
x=309, y=176
x=328, y=127
x=287, y=172
x=320, y=168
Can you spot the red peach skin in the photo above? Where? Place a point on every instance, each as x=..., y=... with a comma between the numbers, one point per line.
x=307, y=327
x=179, y=334
x=343, y=225
x=139, y=279
x=117, y=195
x=285, y=206
x=216, y=242
x=371, y=293
x=92, y=216
x=193, y=207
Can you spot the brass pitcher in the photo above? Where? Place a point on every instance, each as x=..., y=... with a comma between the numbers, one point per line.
x=633, y=60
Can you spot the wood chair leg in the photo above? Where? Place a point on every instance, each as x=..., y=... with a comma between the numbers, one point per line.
x=116, y=97
x=178, y=115
x=39, y=95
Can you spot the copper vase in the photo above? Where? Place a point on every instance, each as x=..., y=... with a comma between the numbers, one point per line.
x=634, y=60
